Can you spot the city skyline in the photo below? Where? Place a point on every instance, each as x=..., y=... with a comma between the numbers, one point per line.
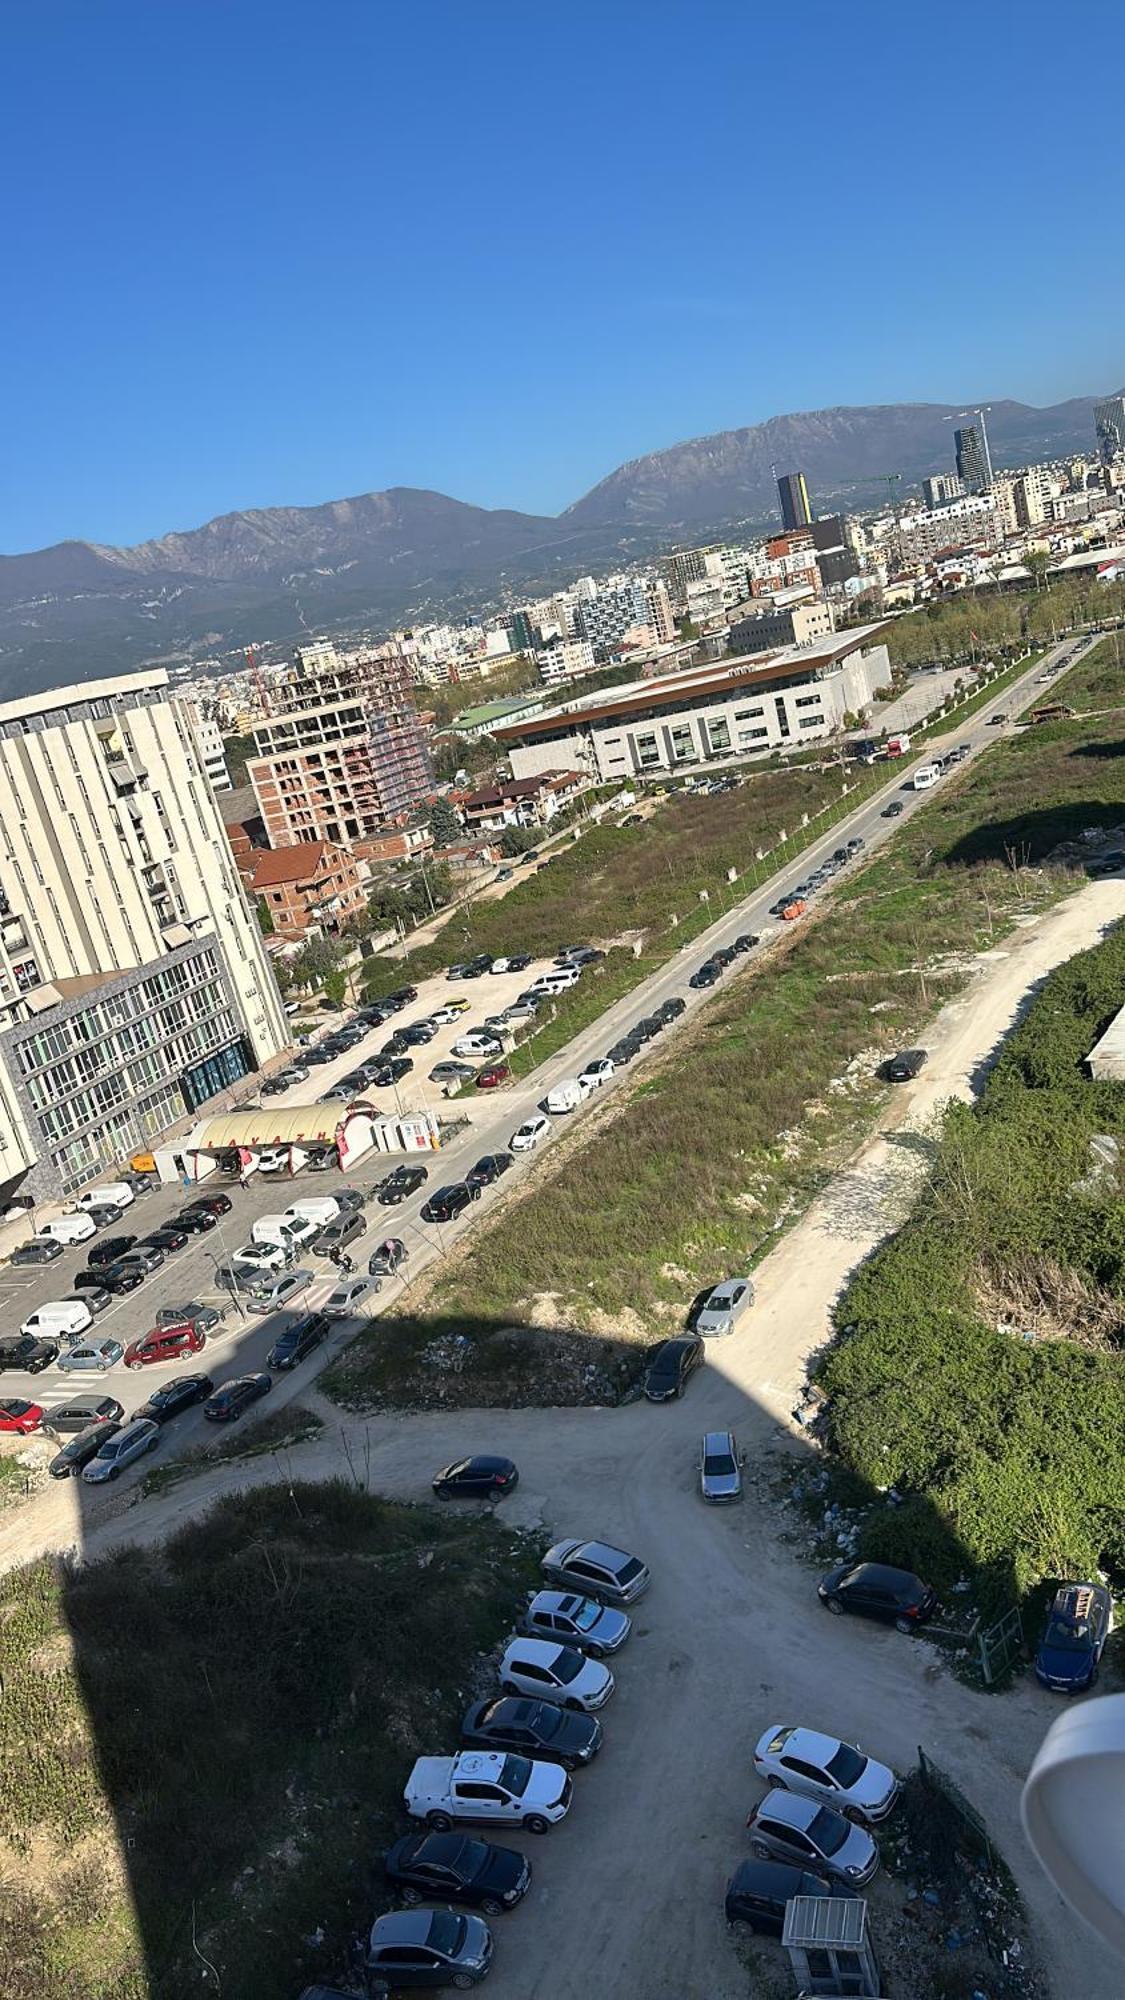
x=218, y=310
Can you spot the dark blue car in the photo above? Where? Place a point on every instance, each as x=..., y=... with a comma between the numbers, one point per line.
x=1074, y=1641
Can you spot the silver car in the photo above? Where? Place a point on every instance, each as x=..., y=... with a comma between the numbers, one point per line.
x=267, y=1296
x=786, y=1827
x=720, y=1466
x=725, y=1306
x=119, y=1451
x=593, y=1628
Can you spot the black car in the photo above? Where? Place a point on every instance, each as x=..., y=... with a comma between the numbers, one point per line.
x=416, y=1036
x=872, y=1590
x=314, y=1057
x=489, y=1169
x=518, y=961
x=110, y=1249
x=759, y=1890
x=745, y=941
x=298, y=1339
x=166, y=1239
x=349, y=1199
x=452, y=1867
x=68, y=1463
x=706, y=976
x=670, y=1010
x=447, y=1203
x=117, y=1278
x=26, y=1352
x=400, y=1184
x=351, y=1086
x=651, y=1026
x=724, y=956
x=234, y=1396
x=182, y=1394
x=893, y=810
x=904, y=1067
x=196, y=1221
x=219, y=1204
x=388, y=1260
x=538, y=1729
x=856, y=845
x=68, y=1418
x=274, y=1088
x=401, y=997
x=398, y=1067
x=476, y=1479
x=42, y=1250
x=622, y=1052
x=668, y=1371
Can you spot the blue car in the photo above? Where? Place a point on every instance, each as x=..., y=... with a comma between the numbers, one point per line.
x=1079, y=1624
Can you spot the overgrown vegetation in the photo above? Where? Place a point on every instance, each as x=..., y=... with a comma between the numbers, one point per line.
x=978, y=625
x=1004, y=1428
x=236, y=1714
x=1098, y=682
x=278, y=1431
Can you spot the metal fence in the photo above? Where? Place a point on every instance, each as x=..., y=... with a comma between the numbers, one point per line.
x=971, y=1820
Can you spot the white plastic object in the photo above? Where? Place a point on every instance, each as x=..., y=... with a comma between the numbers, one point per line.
x=1073, y=1810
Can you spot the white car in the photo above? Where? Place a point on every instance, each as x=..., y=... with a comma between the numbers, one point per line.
x=487, y=1788
x=555, y=1673
x=265, y=1256
x=821, y=1767
x=501, y=965
x=528, y=1135
x=119, y=1451
x=443, y=1017
x=596, y=1072
x=725, y=1306
x=476, y=1043
x=349, y=1295
x=279, y=1291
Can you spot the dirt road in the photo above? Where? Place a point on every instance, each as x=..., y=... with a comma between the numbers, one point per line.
x=628, y=1892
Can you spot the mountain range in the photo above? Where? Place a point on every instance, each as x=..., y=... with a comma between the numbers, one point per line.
x=81, y=609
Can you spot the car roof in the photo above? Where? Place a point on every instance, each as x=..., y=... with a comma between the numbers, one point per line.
x=895, y=1579
x=716, y=1441
x=557, y=1600
x=402, y=1927
x=790, y=1809
x=724, y=1289
x=543, y=1651
x=670, y=1348
x=766, y=1878
x=600, y=1552
x=484, y=1463
x=807, y=1743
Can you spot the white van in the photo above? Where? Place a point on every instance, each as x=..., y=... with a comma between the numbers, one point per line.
x=925, y=777
x=115, y=1194
x=58, y=1320
x=319, y=1209
x=559, y=980
x=69, y=1229
x=290, y=1231
x=567, y=1095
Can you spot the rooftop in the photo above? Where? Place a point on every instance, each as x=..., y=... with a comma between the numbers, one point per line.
x=289, y=864
x=117, y=687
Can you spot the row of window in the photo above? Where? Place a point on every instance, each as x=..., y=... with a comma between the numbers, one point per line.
x=91, y=1107
x=132, y=1003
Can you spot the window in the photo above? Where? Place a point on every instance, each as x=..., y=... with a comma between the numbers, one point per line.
x=782, y=716
x=811, y=722
x=808, y=701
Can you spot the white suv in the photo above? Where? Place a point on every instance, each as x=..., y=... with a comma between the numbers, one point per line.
x=487, y=1787
x=555, y=1673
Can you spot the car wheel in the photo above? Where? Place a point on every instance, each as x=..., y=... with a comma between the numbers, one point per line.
x=904, y=1625
x=775, y=1783
x=410, y=1895
x=113, y=1472
x=759, y=1848
x=492, y=1907
x=443, y=1493
x=134, y=1364
x=535, y=1823
x=440, y=1822
x=833, y=1605
x=462, y=1981
x=494, y=1497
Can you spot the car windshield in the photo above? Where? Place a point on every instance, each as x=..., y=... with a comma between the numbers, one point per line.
x=587, y=1615
x=447, y=1933
x=545, y=1719
x=718, y=1464
x=1065, y=1636
x=846, y=1765
x=566, y=1666
x=515, y=1774
x=828, y=1831
x=111, y=1448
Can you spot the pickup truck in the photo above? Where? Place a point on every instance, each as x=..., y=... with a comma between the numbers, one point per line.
x=487, y=1787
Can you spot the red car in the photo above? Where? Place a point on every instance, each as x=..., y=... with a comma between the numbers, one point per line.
x=21, y=1417
x=490, y=1079
x=165, y=1343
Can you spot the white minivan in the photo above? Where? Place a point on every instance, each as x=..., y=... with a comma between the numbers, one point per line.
x=115, y=1194
x=60, y=1320
x=567, y=1095
x=290, y=1231
x=68, y=1229
x=559, y=980
x=319, y=1209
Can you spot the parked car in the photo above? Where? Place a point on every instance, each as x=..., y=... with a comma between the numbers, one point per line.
x=91, y=1355
x=893, y=810
x=452, y=1072
x=759, y=1890
x=418, y=1034
x=707, y=975
x=400, y=1184
x=428, y=1948
x=346, y=1299
x=724, y=1307
x=622, y=1053
x=164, y=1343
x=487, y=1787
x=219, y=1204
x=263, y=1258
x=598, y=1569
x=297, y=1339
x=281, y=1291
x=96, y=1299
x=672, y=1366
x=1078, y=1625
x=596, y=1629
x=109, y=1250
x=388, y=1260
x=787, y=1827
x=128, y=1444
x=173, y=1397
x=233, y=1397
x=67, y=1419
x=535, y=1728
x=191, y=1313
x=492, y=1077
x=195, y=1221
x=166, y=1240
x=856, y=845
x=597, y=1071
x=720, y=1467
x=488, y=1169
x=479, y=1478
x=18, y=1417
x=447, y=1203
x=527, y=1136
x=275, y=1087
x=823, y=1768
x=670, y=1010
x=40, y=1250
x=147, y=1257
x=559, y=1673
x=28, y=1353
x=80, y=1449
x=453, y=1867
x=119, y=1278
x=745, y=941
x=999, y=717
x=872, y=1590
x=904, y=1067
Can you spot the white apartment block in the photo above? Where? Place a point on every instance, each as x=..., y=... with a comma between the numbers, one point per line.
x=564, y=658
x=209, y=742
x=134, y=985
x=975, y=521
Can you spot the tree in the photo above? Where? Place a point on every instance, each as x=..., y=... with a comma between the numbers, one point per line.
x=444, y=823
x=517, y=840
x=236, y=751
x=336, y=985
x=265, y=917
x=314, y=963
x=1037, y=561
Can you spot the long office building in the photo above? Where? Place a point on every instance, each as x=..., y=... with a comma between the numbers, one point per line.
x=796, y=507
x=1109, y=426
x=134, y=985
x=974, y=459
x=703, y=715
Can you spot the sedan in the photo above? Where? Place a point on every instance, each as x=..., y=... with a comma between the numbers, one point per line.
x=594, y=1628
x=489, y=1169
x=706, y=976
x=824, y=1768
x=724, y=1306
x=476, y=1479
x=41, y=1250
x=428, y=1948
x=746, y=941
x=287, y=1286
x=401, y=1184
x=786, y=1827
x=131, y=1442
x=27, y=1353
x=347, y=1298
x=79, y=1450
x=417, y=1035
x=182, y=1394
x=904, y=1067
x=453, y=1867
x=493, y=1077
x=873, y=1590
x=674, y=1362
x=196, y=1221
x=527, y=1136
x=18, y=1417
x=447, y=1203
x=535, y=1666
x=219, y=1204
x=597, y=1072
x=297, y=1339
x=191, y=1313
x=388, y=1260
x=893, y=810
x=276, y=1087
x=166, y=1239
x=81, y=1412
x=670, y=1010
x=538, y=1729
x=109, y=1250
x=91, y=1355
x=720, y=1467
x=118, y=1278
x=145, y=1256
x=232, y=1398
x=444, y=1017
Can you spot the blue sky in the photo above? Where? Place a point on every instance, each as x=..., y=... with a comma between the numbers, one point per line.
x=275, y=254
